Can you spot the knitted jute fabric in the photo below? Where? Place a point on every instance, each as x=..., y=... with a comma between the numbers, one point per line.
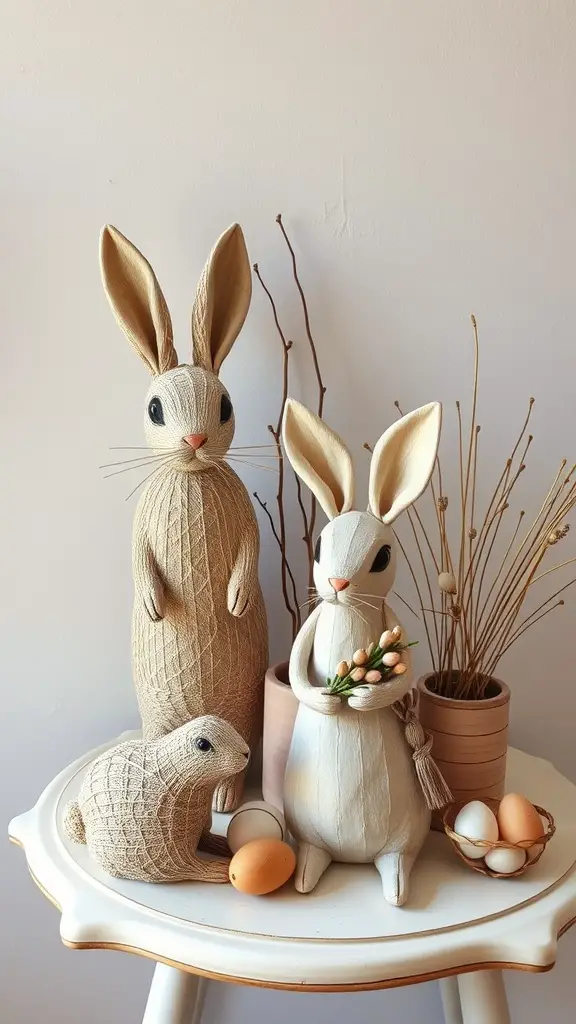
x=145, y=807
x=199, y=624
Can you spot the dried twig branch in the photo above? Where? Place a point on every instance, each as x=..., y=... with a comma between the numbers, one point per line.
x=308, y=524
x=308, y=517
x=474, y=631
x=291, y=605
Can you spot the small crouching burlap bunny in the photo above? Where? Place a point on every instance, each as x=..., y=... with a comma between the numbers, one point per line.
x=351, y=789
x=144, y=808
x=199, y=636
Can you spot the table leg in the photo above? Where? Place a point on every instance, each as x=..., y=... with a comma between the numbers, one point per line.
x=483, y=998
x=176, y=997
x=450, y=995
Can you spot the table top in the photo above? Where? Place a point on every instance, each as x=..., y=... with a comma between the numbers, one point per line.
x=343, y=936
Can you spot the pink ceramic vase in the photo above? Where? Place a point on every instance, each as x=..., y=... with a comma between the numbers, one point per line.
x=280, y=707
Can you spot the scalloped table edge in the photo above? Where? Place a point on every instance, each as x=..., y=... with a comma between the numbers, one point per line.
x=368, y=986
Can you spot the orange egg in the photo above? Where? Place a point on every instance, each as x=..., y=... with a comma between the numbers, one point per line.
x=518, y=819
x=262, y=866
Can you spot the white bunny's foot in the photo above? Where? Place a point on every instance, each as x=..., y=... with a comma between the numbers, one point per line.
x=394, y=869
x=310, y=866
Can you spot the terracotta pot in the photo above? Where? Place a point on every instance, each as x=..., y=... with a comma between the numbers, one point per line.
x=470, y=739
x=280, y=707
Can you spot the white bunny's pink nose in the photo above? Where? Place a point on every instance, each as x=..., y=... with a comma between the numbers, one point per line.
x=195, y=440
x=338, y=584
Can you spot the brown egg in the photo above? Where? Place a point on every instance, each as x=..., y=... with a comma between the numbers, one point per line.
x=262, y=866
x=518, y=820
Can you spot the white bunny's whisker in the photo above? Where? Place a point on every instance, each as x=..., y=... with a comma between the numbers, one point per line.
x=374, y=597
x=359, y=614
x=364, y=604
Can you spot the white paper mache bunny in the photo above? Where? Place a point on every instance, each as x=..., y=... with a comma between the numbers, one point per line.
x=351, y=793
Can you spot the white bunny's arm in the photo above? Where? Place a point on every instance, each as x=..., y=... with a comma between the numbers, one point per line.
x=243, y=583
x=149, y=587
x=312, y=696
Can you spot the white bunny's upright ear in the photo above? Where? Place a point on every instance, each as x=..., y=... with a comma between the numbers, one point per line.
x=403, y=461
x=137, y=300
x=319, y=457
x=222, y=300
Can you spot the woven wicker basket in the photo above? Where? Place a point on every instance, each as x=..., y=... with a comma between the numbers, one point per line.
x=449, y=817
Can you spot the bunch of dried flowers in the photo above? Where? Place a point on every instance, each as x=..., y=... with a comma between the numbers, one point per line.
x=471, y=601
x=377, y=663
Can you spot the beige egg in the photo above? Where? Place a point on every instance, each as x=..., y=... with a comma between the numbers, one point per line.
x=518, y=819
x=262, y=866
x=255, y=820
x=504, y=861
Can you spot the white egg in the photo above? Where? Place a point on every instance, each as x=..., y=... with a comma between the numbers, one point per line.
x=476, y=821
x=504, y=861
x=255, y=820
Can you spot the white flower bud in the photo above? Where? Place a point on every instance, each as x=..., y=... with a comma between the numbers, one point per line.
x=447, y=583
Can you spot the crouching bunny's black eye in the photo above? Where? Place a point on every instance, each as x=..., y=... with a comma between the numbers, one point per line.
x=156, y=412
x=382, y=559
x=225, y=409
x=203, y=744
x=317, y=550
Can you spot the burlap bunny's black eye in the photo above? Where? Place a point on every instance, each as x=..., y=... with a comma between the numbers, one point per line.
x=203, y=745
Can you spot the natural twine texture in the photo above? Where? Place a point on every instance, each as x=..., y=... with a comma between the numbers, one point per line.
x=456, y=839
x=434, y=786
x=199, y=636
x=145, y=807
x=199, y=657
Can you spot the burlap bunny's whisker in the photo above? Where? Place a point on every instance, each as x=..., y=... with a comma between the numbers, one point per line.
x=155, y=460
x=199, y=627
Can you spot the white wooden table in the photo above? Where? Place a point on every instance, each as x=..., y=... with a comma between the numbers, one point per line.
x=458, y=926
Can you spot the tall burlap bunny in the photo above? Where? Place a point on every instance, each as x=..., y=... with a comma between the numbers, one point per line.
x=199, y=637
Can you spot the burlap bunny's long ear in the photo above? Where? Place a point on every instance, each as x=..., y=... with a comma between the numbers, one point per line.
x=222, y=300
x=403, y=461
x=319, y=457
x=137, y=300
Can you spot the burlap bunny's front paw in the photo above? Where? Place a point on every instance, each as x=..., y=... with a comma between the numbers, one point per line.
x=238, y=598
x=153, y=600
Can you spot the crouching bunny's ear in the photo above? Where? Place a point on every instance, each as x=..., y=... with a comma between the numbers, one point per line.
x=319, y=457
x=137, y=300
x=222, y=300
x=403, y=461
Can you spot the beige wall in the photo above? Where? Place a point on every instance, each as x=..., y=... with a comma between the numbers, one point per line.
x=423, y=156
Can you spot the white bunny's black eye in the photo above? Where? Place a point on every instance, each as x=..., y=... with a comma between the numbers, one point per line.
x=317, y=549
x=156, y=412
x=203, y=745
x=225, y=409
x=382, y=559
